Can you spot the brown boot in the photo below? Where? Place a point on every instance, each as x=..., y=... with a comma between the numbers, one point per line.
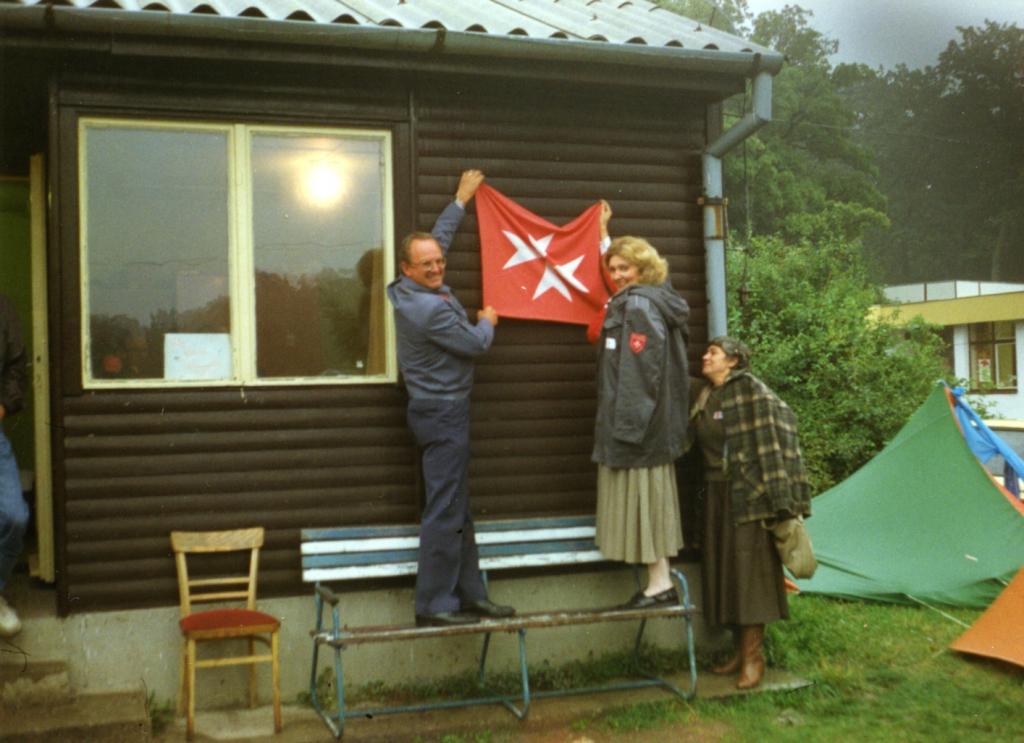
x=752, y=656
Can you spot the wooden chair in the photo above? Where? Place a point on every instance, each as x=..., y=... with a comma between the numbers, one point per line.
x=223, y=623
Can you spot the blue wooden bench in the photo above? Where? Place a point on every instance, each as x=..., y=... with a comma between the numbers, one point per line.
x=358, y=553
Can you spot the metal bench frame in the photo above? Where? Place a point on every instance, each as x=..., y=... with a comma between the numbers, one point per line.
x=361, y=552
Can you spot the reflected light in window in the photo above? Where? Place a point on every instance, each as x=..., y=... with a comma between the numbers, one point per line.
x=322, y=183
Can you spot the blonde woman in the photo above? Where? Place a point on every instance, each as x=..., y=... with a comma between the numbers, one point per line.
x=641, y=417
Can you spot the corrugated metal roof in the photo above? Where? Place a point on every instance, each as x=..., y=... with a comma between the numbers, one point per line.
x=616, y=21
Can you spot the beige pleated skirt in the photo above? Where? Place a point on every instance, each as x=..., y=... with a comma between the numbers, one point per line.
x=638, y=513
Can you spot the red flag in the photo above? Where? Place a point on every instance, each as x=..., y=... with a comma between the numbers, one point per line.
x=534, y=270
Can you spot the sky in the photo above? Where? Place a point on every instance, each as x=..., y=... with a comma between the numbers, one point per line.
x=890, y=32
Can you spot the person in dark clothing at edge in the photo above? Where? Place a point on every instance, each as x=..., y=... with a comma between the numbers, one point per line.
x=13, y=509
x=437, y=344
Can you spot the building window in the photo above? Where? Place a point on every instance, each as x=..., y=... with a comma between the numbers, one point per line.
x=234, y=254
x=948, y=356
x=993, y=356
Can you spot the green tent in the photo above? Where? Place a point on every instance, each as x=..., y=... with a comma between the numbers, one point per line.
x=921, y=522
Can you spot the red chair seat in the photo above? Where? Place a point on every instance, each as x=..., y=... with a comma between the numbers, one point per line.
x=220, y=619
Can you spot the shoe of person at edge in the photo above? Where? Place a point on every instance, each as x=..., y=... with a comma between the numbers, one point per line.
x=640, y=600
x=10, y=625
x=446, y=619
x=487, y=608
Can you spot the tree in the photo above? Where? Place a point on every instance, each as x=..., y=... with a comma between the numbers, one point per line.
x=803, y=307
x=806, y=158
x=948, y=144
x=727, y=15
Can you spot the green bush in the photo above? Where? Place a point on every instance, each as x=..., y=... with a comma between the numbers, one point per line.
x=804, y=309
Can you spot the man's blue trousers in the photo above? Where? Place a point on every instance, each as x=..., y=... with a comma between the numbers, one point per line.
x=449, y=568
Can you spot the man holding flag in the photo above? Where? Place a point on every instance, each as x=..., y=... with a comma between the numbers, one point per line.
x=437, y=344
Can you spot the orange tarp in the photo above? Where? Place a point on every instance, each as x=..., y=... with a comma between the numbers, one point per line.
x=998, y=633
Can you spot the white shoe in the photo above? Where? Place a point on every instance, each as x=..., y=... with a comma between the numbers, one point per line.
x=10, y=625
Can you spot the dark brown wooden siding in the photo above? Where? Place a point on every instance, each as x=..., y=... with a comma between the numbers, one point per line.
x=137, y=465
x=133, y=465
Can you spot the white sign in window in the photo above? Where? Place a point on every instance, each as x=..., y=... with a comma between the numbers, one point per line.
x=192, y=356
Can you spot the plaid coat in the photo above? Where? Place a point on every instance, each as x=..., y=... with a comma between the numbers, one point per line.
x=762, y=452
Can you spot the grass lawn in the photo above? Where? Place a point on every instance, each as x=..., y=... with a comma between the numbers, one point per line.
x=880, y=673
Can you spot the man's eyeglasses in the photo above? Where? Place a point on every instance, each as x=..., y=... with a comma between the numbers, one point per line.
x=426, y=265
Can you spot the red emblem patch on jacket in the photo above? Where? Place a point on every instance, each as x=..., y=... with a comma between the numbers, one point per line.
x=637, y=341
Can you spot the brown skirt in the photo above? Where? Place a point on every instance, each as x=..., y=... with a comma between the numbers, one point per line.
x=742, y=574
x=638, y=513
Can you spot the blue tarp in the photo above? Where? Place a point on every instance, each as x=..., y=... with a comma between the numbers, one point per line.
x=985, y=444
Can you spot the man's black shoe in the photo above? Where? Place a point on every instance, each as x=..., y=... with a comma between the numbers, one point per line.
x=445, y=619
x=486, y=608
x=641, y=601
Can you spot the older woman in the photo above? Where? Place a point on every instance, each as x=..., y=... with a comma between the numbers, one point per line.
x=754, y=477
x=641, y=417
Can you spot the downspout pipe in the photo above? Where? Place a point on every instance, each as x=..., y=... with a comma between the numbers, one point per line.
x=713, y=202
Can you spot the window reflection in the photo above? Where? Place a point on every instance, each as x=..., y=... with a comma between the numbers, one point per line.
x=156, y=247
x=317, y=252
x=167, y=293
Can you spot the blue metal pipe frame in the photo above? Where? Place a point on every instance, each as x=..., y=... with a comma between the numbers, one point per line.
x=336, y=721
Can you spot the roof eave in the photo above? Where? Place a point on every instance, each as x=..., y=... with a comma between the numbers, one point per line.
x=70, y=23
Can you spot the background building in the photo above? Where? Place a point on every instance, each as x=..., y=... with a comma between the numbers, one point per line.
x=983, y=326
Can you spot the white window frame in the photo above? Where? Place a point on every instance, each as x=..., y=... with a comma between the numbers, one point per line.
x=241, y=277
x=999, y=347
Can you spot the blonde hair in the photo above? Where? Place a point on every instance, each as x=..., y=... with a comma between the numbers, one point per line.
x=636, y=251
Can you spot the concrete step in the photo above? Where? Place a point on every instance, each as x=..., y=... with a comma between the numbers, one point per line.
x=97, y=718
x=29, y=683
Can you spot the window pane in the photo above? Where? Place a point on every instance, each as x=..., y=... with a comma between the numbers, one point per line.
x=318, y=232
x=981, y=331
x=1005, y=363
x=156, y=253
x=948, y=357
x=1004, y=330
x=981, y=366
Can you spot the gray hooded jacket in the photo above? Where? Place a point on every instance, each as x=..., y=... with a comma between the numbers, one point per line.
x=642, y=378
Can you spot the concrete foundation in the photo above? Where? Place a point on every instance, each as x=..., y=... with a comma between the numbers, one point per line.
x=139, y=649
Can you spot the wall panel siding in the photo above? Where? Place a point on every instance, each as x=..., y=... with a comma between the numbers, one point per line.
x=137, y=464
